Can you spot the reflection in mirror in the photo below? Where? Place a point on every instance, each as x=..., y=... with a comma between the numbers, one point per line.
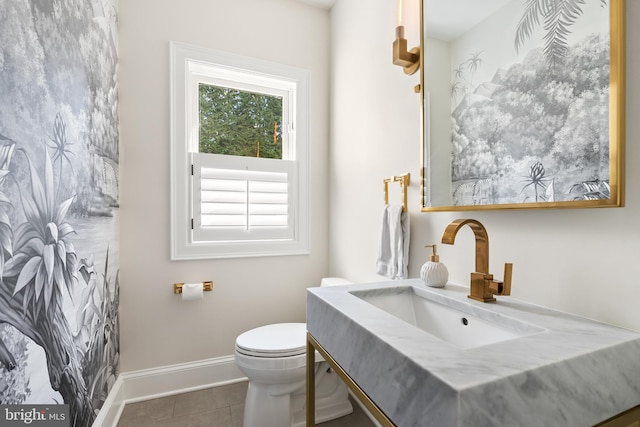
x=522, y=103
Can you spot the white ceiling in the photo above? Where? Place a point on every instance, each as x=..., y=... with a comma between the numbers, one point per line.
x=445, y=19
x=323, y=4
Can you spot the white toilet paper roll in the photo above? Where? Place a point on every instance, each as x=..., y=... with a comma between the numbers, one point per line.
x=192, y=291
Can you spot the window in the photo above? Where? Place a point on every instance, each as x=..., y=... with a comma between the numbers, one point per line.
x=239, y=162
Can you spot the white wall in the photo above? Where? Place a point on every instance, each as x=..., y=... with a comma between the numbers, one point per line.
x=580, y=261
x=375, y=118
x=157, y=328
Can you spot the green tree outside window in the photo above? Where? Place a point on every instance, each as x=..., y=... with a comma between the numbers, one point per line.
x=239, y=123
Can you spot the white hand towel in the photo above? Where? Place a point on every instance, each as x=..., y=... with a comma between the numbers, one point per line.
x=393, y=253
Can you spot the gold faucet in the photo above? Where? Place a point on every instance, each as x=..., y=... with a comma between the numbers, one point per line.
x=483, y=286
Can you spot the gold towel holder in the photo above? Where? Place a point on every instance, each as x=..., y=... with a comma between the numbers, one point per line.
x=207, y=286
x=404, y=181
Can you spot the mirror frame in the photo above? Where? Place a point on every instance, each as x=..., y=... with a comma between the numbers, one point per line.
x=617, y=87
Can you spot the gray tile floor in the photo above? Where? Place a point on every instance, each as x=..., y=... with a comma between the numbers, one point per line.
x=212, y=407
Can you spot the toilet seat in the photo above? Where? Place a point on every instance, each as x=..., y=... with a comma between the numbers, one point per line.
x=271, y=341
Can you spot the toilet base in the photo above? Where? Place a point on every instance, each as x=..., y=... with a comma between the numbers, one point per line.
x=269, y=407
x=332, y=398
x=328, y=408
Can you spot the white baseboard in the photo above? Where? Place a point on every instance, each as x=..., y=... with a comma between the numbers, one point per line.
x=152, y=383
x=112, y=407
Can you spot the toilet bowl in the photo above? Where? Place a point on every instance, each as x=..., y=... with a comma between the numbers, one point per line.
x=273, y=357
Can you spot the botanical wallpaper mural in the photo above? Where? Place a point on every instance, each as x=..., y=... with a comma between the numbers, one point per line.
x=537, y=131
x=58, y=203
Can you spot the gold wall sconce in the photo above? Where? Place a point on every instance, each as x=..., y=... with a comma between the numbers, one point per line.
x=409, y=60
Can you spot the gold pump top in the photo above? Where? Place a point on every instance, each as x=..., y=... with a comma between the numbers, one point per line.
x=434, y=257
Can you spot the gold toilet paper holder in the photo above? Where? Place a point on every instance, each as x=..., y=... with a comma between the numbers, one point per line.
x=206, y=286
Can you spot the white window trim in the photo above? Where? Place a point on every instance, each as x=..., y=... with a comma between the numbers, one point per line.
x=182, y=57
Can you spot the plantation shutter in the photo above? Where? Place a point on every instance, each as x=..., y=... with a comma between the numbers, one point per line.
x=242, y=198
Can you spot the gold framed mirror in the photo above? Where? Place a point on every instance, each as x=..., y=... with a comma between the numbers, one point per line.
x=523, y=104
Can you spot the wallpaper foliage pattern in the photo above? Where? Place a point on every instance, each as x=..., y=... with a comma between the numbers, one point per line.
x=59, y=331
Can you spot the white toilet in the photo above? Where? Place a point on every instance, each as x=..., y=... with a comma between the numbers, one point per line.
x=273, y=357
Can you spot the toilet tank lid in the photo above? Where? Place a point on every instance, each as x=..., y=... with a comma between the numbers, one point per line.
x=276, y=339
x=334, y=281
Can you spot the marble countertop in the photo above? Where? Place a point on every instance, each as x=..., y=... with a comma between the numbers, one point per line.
x=575, y=372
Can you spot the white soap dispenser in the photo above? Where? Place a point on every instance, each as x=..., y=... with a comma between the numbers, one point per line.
x=433, y=272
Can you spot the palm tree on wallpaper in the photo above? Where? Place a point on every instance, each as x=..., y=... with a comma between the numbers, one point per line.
x=558, y=17
x=463, y=76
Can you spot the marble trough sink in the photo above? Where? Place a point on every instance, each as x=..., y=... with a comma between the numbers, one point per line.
x=407, y=346
x=458, y=323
